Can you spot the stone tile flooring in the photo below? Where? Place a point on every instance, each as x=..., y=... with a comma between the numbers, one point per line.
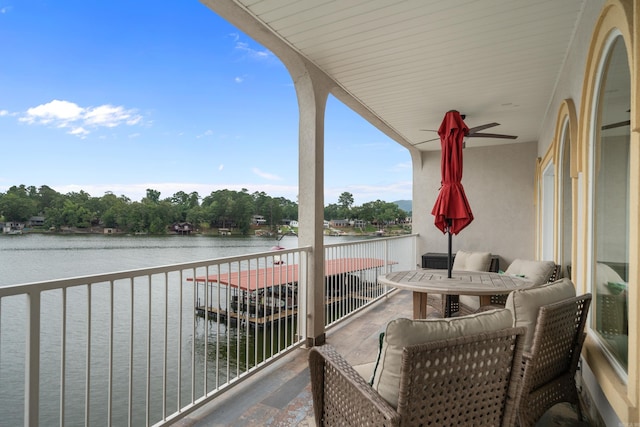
x=280, y=394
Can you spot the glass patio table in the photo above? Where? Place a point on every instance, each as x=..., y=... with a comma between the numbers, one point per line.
x=478, y=283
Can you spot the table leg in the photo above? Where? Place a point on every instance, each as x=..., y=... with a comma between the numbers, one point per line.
x=485, y=300
x=419, y=305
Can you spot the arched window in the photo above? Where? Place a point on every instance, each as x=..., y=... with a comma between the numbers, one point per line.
x=609, y=163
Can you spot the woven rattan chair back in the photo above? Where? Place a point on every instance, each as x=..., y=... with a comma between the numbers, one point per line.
x=468, y=381
x=498, y=301
x=549, y=369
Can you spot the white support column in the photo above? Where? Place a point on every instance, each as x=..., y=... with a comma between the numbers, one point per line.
x=312, y=89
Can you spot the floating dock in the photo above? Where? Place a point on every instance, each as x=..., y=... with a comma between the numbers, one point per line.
x=270, y=280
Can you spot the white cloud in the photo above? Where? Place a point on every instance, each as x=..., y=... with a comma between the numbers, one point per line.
x=402, y=166
x=56, y=111
x=208, y=132
x=220, y=167
x=253, y=53
x=4, y=113
x=238, y=79
x=266, y=175
x=5, y=9
x=65, y=114
x=81, y=132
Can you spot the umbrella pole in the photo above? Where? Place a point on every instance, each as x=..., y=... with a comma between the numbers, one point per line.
x=449, y=263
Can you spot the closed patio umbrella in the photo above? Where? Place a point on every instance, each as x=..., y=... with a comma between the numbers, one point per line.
x=451, y=210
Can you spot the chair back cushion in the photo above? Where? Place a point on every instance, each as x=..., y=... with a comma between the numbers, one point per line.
x=402, y=332
x=525, y=303
x=538, y=272
x=472, y=261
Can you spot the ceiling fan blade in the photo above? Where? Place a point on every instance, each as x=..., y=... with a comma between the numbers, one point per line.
x=428, y=130
x=424, y=142
x=616, y=125
x=482, y=127
x=491, y=135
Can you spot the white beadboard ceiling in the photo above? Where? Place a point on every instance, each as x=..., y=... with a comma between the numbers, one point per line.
x=410, y=61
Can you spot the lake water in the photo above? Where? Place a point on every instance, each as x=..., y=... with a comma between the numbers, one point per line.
x=37, y=257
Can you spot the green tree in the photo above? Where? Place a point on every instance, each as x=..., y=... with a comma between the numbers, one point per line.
x=332, y=211
x=48, y=198
x=242, y=211
x=381, y=213
x=75, y=215
x=184, y=202
x=115, y=211
x=345, y=201
x=196, y=216
x=153, y=196
x=219, y=207
x=289, y=208
x=18, y=204
x=262, y=203
x=136, y=218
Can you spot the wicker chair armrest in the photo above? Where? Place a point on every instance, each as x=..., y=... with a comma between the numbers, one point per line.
x=341, y=395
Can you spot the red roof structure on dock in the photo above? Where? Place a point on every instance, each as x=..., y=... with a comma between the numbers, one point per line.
x=251, y=280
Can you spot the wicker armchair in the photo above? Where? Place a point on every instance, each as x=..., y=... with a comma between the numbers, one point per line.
x=442, y=383
x=498, y=301
x=549, y=369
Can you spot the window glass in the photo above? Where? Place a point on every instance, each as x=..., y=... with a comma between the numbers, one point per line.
x=548, y=207
x=611, y=206
x=565, y=203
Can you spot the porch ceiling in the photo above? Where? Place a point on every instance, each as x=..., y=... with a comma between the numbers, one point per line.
x=408, y=62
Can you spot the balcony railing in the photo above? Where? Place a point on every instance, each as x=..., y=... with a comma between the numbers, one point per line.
x=148, y=346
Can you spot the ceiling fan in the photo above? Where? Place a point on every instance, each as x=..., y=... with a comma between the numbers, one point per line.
x=474, y=132
x=617, y=124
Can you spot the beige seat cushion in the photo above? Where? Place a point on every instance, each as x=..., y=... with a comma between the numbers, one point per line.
x=366, y=370
x=401, y=333
x=525, y=303
x=470, y=301
x=538, y=272
x=472, y=261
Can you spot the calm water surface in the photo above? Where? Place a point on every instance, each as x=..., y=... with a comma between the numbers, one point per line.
x=36, y=257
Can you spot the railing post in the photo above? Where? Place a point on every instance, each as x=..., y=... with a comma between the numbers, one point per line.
x=32, y=364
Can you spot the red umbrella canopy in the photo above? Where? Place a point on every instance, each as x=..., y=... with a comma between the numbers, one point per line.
x=452, y=203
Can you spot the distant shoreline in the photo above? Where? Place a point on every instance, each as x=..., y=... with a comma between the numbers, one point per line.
x=348, y=231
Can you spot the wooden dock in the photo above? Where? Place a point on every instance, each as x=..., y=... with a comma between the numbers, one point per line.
x=262, y=280
x=221, y=315
x=235, y=317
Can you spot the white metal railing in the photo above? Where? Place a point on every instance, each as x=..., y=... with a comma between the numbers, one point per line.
x=126, y=348
x=349, y=292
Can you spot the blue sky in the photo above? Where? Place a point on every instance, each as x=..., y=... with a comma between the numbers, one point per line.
x=123, y=96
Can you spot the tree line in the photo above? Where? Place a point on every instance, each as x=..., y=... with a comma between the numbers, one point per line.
x=153, y=214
